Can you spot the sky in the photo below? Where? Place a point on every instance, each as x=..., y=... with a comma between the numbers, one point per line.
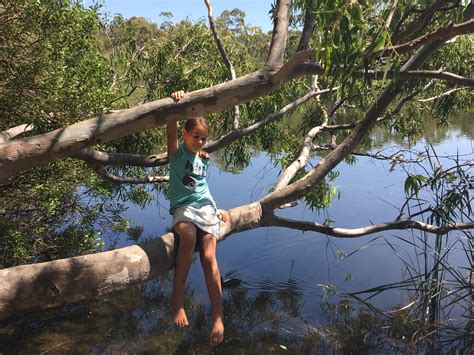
x=256, y=10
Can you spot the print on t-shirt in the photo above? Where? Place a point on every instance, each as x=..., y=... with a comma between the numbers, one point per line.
x=196, y=168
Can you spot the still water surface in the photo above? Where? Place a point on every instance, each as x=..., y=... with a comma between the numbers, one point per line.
x=295, y=287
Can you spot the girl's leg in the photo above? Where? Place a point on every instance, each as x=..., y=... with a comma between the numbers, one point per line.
x=187, y=244
x=207, y=252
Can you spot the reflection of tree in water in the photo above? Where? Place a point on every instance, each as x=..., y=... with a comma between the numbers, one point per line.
x=432, y=131
x=62, y=211
x=139, y=320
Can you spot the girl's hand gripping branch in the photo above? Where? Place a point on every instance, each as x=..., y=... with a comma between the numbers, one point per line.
x=224, y=215
x=177, y=95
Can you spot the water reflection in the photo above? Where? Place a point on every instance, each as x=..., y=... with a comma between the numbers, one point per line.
x=461, y=127
x=138, y=320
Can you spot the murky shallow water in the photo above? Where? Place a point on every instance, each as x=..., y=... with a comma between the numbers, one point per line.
x=295, y=292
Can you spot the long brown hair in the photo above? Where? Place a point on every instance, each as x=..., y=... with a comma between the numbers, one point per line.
x=201, y=122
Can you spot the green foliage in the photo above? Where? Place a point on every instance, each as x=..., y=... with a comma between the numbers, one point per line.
x=321, y=195
x=349, y=33
x=413, y=183
x=349, y=36
x=52, y=71
x=51, y=212
x=445, y=193
x=237, y=155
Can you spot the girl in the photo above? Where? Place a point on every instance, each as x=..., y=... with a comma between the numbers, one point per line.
x=195, y=217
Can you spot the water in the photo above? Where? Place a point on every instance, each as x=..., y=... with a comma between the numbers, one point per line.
x=295, y=294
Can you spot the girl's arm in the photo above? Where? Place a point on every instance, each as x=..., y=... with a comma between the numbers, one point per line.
x=172, y=137
x=172, y=128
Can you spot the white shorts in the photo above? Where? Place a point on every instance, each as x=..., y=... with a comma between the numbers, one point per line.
x=204, y=217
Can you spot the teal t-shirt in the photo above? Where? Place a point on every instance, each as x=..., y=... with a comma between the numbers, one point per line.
x=188, y=185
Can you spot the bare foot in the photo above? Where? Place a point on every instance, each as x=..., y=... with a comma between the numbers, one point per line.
x=179, y=318
x=217, y=332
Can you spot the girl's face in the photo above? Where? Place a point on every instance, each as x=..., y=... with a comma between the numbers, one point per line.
x=195, y=140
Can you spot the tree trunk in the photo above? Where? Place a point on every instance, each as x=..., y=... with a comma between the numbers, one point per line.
x=34, y=287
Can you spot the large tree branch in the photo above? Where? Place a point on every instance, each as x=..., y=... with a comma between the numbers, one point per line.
x=308, y=29
x=276, y=221
x=25, y=153
x=33, y=287
x=95, y=157
x=280, y=32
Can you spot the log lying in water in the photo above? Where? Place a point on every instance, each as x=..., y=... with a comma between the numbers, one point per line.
x=28, y=288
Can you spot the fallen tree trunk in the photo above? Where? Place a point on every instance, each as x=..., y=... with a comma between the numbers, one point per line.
x=34, y=287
